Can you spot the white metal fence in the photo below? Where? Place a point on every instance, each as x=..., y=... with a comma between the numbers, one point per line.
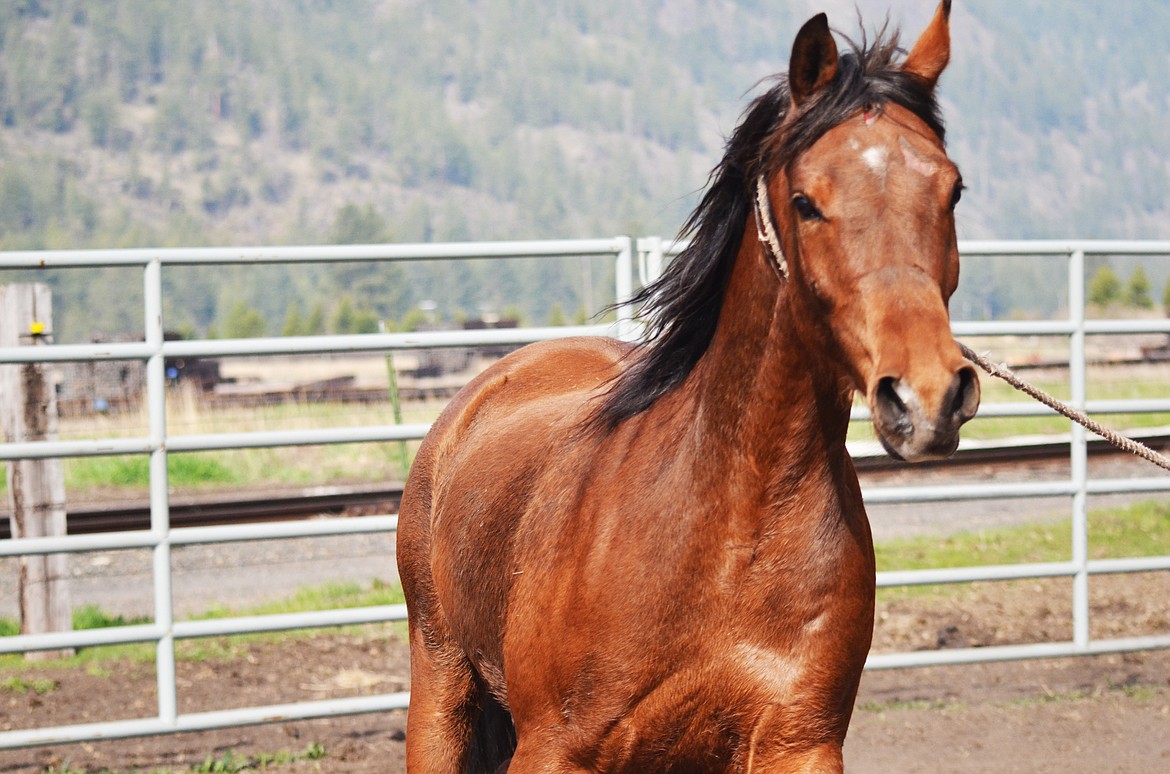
x=642, y=257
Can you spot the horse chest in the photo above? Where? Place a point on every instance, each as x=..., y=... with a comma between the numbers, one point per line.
x=720, y=714
x=699, y=691
x=698, y=658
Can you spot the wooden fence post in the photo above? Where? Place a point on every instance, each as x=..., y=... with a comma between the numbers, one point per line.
x=36, y=488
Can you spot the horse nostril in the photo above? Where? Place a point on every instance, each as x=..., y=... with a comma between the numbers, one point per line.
x=891, y=408
x=964, y=394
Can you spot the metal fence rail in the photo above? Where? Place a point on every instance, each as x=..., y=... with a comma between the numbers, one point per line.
x=642, y=257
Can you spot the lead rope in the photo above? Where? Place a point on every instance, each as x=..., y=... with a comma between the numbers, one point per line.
x=1115, y=438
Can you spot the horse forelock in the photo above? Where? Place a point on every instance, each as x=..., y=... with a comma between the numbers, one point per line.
x=681, y=308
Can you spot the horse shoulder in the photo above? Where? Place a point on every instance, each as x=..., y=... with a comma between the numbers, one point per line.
x=480, y=464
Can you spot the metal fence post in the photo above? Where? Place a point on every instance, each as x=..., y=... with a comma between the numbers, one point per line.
x=627, y=329
x=1078, y=450
x=160, y=517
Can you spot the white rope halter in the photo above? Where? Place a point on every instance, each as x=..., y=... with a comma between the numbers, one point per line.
x=766, y=229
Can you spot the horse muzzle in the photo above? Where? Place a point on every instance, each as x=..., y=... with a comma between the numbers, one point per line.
x=913, y=427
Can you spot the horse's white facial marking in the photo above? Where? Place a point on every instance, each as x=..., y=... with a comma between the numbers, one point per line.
x=915, y=160
x=876, y=159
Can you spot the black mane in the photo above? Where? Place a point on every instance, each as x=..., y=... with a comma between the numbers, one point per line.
x=681, y=308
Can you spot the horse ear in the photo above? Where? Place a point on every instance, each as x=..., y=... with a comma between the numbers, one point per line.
x=931, y=53
x=814, y=59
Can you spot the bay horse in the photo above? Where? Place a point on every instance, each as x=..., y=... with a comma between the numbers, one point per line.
x=655, y=557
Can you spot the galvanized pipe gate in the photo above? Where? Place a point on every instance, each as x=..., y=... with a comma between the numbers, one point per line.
x=643, y=257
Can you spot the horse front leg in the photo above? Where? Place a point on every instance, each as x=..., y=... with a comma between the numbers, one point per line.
x=822, y=759
x=540, y=759
x=443, y=697
x=774, y=746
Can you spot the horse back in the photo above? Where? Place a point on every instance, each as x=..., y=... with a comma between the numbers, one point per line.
x=472, y=480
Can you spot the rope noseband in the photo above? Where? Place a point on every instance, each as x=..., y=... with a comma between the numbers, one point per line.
x=766, y=229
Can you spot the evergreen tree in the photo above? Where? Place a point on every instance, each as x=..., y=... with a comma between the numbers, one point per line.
x=343, y=316
x=377, y=289
x=1137, y=292
x=293, y=324
x=355, y=225
x=315, y=323
x=416, y=319
x=350, y=317
x=244, y=322
x=1105, y=287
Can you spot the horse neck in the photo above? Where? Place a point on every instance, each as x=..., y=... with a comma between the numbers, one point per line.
x=769, y=389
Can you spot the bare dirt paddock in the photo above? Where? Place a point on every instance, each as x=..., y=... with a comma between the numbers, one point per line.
x=1093, y=714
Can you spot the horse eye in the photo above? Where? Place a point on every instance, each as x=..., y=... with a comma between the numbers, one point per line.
x=805, y=208
x=957, y=194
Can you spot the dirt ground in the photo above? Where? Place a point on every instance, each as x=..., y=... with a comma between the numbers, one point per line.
x=1091, y=714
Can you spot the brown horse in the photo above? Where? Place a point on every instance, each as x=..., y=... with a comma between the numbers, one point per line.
x=656, y=558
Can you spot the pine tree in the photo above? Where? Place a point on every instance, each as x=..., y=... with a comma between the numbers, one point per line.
x=1137, y=292
x=1104, y=288
x=244, y=322
x=293, y=323
x=315, y=323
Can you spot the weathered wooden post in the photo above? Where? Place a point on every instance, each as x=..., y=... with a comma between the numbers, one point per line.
x=36, y=488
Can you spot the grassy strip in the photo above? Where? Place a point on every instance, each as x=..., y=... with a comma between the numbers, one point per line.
x=1141, y=693
x=1142, y=529
x=228, y=762
x=96, y=660
x=82, y=473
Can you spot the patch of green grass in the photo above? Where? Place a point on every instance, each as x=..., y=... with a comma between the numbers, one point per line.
x=195, y=471
x=1012, y=545
x=1141, y=692
x=306, y=599
x=300, y=465
x=39, y=685
x=1142, y=529
x=895, y=705
x=228, y=763
x=324, y=597
x=85, y=617
x=93, y=617
x=191, y=469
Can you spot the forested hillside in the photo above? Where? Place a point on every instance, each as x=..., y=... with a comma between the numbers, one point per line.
x=149, y=122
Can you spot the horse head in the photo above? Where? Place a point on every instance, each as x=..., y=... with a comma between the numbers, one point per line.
x=865, y=211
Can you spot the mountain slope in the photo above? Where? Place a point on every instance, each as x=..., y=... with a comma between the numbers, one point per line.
x=151, y=122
